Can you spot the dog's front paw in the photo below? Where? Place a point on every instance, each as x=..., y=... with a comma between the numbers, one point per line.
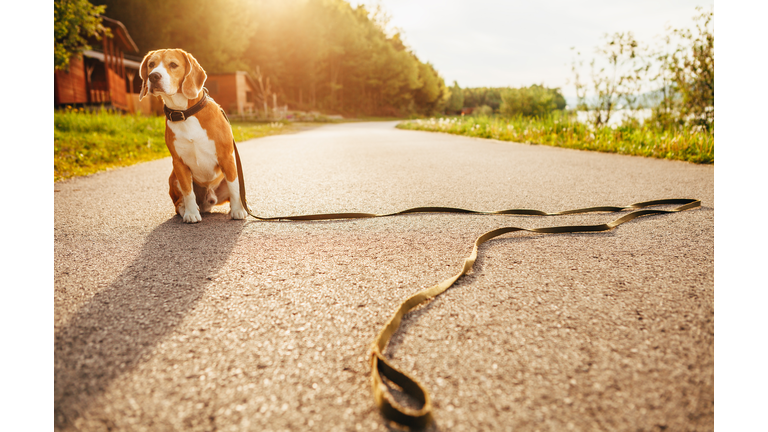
x=238, y=213
x=191, y=216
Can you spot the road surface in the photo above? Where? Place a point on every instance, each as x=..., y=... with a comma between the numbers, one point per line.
x=266, y=326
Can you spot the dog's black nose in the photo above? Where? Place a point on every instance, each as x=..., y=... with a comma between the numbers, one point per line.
x=154, y=77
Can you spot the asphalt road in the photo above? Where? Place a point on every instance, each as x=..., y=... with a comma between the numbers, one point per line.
x=247, y=325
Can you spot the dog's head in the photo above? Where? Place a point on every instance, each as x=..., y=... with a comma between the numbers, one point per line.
x=170, y=71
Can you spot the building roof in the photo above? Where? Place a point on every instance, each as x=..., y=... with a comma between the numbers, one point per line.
x=100, y=56
x=120, y=35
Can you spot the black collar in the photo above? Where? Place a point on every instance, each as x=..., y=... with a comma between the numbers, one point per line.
x=179, y=115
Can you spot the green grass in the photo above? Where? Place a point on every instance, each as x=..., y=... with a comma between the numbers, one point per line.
x=562, y=131
x=88, y=142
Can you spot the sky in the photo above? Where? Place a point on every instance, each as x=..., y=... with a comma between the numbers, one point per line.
x=492, y=43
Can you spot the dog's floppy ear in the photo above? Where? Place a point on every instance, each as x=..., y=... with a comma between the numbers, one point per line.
x=194, y=79
x=143, y=72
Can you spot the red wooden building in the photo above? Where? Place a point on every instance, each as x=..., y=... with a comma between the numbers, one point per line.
x=235, y=92
x=103, y=77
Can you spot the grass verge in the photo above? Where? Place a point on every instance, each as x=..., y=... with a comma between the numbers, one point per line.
x=559, y=130
x=88, y=142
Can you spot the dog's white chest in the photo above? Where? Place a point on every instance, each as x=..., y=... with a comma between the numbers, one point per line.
x=195, y=148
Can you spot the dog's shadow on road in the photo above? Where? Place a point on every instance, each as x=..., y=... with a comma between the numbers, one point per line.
x=121, y=325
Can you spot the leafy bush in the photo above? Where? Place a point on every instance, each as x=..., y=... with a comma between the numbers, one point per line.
x=533, y=101
x=479, y=96
x=689, y=72
x=483, y=110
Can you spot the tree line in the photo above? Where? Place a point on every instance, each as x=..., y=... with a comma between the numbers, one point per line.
x=532, y=101
x=325, y=55
x=313, y=54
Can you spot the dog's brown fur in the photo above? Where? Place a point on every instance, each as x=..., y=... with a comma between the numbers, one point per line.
x=180, y=86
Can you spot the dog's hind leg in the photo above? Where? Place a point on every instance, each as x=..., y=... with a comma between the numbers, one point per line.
x=205, y=197
x=221, y=193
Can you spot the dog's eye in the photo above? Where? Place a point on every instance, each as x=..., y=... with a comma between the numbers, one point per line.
x=152, y=64
x=174, y=65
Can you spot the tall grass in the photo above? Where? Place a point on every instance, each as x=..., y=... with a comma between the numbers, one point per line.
x=562, y=130
x=86, y=142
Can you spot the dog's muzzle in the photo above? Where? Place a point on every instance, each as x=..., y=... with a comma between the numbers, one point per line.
x=154, y=82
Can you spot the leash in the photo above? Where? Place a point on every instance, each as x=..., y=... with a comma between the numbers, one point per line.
x=383, y=374
x=381, y=369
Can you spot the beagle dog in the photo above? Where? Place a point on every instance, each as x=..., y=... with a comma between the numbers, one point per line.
x=197, y=134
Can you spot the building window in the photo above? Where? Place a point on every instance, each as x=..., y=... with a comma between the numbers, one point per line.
x=249, y=96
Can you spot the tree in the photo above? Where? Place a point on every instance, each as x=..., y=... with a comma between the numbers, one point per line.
x=429, y=97
x=616, y=83
x=215, y=32
x=691, y=70
x=681, y=71
x=455, y=99
x=317, y=54
x=533, y=101
x=479, y=96
x=74, y=21
x=482, y=110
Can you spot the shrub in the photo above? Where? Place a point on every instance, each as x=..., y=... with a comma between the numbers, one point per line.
x=533, y=101
x=483, y=110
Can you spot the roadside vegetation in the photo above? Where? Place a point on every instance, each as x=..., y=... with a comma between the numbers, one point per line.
x=364, y=70
x=86, y=142
x=563, y=130
x=637, y=100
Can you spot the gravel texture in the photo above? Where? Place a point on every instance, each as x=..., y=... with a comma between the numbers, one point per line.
x=265, y=326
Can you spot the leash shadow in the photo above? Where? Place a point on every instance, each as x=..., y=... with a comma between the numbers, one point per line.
x=120, y=326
